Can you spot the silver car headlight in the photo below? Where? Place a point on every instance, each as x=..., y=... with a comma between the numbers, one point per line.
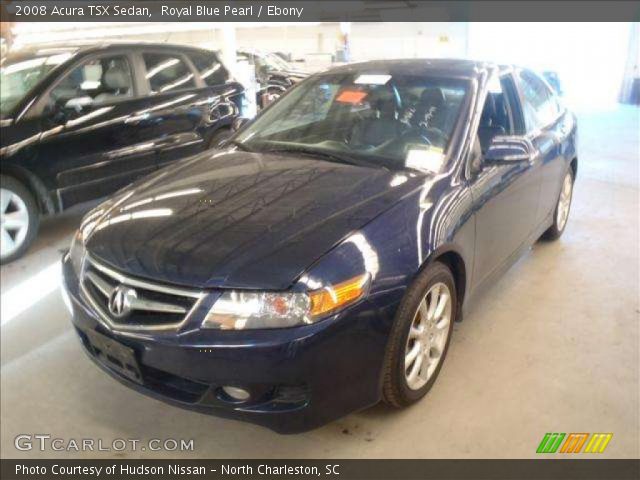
x=245, y=310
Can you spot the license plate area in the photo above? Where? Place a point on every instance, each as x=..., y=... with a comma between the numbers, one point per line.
x=115, y=355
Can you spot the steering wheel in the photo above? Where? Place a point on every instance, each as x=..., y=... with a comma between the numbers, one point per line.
x=437, y=135
x=346, y=135
x=415, y=135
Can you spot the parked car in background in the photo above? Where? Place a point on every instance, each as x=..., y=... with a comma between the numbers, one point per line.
x=80, y=122
x=553, y=79
x=316, y=264
x=274, y=75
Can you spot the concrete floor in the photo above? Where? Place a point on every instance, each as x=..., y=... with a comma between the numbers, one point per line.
x=552, y=347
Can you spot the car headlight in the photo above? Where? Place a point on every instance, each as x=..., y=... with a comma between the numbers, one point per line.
x=245, y=310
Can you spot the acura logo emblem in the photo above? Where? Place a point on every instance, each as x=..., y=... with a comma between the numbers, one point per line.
x=120, y=301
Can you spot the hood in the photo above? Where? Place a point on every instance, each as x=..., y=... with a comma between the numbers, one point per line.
x=241, y=220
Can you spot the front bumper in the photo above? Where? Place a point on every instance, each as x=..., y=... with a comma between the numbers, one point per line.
x=299, y=378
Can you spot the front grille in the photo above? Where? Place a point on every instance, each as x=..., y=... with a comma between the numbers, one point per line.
x=127, y=303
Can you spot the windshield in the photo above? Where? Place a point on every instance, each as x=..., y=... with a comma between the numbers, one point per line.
x=19, y=76
x=394, y=121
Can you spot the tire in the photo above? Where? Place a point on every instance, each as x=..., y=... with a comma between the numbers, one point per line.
x=397, y=390
x=20, y=219
x=219, y=136
x=562, y=210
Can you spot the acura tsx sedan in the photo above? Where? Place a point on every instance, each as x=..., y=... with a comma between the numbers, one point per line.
x=315, y=264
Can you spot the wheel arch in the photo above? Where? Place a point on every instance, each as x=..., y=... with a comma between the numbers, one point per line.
x=36, y=187
x=454, y=260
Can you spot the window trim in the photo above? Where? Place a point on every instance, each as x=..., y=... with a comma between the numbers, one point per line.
x=45, y=98
x=518, y=123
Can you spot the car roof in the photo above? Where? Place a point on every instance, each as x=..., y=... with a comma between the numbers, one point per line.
x=88, y=47
x=437, y=66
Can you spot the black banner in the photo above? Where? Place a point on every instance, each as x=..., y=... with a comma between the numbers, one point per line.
x=317, y=11
x=567, y=469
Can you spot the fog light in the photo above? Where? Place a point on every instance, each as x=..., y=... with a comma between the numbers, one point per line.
x=236, y=393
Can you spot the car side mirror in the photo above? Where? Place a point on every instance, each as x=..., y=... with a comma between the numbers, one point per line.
x=55, y=113
x=508, y=149
x=238, y=123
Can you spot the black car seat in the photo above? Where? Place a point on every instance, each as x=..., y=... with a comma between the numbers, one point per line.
x=379, y=128
x=116, y=82
x=430, y=111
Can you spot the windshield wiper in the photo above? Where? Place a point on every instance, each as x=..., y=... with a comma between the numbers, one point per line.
x=332, y=157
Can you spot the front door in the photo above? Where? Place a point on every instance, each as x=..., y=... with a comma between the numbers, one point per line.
x=505, y=195
x=88, y=143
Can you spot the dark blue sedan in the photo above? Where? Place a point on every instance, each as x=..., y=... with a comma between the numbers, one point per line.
x=315, y=265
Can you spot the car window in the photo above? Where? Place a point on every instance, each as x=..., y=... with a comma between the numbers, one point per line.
x=539, y=103
x=97, y=81
x=496, y=118
x=209, y=67
x=166, y=72
x=18, y=75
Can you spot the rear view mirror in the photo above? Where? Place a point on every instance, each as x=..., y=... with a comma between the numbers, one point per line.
x=509, y=150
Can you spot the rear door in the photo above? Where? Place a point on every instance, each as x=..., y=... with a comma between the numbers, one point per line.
x=183, y=111
x=547, y=127
x=88, y=143
x=222, y=98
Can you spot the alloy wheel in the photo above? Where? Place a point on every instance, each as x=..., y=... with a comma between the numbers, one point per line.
x=428, y=336
x=14, y=222
x=564, y=204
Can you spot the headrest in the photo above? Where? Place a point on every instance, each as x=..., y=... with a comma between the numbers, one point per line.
x=432, y=97
x=117, y=77
x=386, y=108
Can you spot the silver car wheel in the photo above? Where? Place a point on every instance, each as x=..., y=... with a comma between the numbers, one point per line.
x=14, y=222
x=428, y=336
x=564, y=203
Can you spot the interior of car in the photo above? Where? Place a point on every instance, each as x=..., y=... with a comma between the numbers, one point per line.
x=385, y=119
x=97, y=81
